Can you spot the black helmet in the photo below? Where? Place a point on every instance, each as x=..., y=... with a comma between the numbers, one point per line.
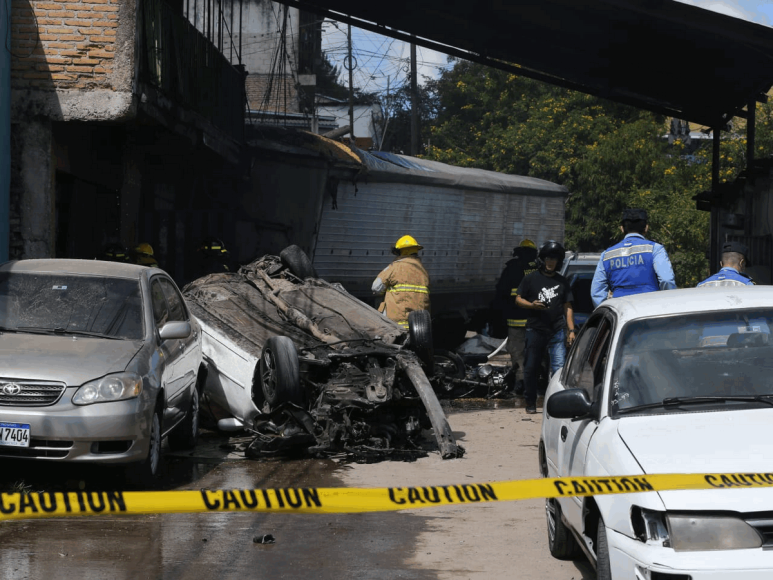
x=213, y=246
x=551, y=249
x=116, y=253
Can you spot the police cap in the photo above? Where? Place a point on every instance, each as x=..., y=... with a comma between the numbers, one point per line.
x=634, y=214
x=738, y=248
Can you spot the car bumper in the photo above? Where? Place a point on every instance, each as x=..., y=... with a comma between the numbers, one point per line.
x=634, y=560
x=115, y=432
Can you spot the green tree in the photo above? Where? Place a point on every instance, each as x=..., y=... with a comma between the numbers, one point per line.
x=609, y=156
x=397, y=108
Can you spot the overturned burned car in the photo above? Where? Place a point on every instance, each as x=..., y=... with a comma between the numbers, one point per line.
x=304, y=366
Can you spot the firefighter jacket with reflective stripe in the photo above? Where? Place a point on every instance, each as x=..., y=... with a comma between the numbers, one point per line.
x=507, y=287
x=405, y=285
x=630, y=267
x=727, y=276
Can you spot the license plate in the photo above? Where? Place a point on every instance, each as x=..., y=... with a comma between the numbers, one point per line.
x=14, y=434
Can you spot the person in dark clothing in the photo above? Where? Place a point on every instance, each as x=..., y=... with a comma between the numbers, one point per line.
x=547, y=297
x=116, y=252
x=212, y=257
x=522, y=264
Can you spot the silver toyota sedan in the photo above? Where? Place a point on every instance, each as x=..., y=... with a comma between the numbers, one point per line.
x=99, y=361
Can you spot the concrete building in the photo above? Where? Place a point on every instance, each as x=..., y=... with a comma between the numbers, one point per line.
x=121, y=113
x=368, y=119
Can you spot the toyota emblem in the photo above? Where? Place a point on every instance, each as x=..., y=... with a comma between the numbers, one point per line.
x=11, y=389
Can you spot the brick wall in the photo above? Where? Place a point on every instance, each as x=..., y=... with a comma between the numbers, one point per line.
x=283, y=98
x=63, y=44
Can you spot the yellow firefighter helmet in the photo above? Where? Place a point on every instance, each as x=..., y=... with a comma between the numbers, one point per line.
x=406, y=245
x=144, y=248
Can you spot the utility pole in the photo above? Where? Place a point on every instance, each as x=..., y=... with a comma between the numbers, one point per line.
x=414, y=105
x=386, y=114
x=351, y=89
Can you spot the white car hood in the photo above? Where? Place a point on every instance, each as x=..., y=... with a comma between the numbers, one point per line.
x=705, y=442
x=62, y=358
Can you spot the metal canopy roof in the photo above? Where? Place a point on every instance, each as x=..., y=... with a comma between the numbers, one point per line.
x=659, y=55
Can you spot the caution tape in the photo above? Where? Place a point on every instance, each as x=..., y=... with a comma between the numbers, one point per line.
x=329, y=500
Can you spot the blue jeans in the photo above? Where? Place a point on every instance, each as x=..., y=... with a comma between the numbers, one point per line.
x=533, y=352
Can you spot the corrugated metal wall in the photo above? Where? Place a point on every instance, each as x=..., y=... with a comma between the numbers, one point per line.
x=467, y=235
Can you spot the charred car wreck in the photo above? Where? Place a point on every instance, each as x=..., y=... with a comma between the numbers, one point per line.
x=305, y=367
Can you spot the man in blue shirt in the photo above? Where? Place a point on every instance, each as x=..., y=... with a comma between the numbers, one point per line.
x=633, y=266
x=733, y=264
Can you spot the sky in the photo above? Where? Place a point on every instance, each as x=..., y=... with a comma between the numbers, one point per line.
x=759, y=11
x=382, y=62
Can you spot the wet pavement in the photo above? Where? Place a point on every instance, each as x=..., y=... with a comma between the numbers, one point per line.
x=182, y=546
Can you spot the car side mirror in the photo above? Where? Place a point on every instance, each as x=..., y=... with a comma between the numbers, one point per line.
x=569, y=404
x=175, y=330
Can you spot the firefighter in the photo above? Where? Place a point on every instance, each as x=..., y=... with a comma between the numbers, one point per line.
x=523, y=263
x=143, y=255
x=633, y=266
x=116, y=253
x=404, y=283
x=212, y=257
x=733, y=263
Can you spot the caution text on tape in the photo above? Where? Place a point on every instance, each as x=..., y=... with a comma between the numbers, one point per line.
x=354, y=500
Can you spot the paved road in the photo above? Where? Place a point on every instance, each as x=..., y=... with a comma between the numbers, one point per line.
x=498, y=541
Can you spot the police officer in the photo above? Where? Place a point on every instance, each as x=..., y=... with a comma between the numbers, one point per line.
x=633, y=266
x=404, y=283
x=733, y=264
x=547, y=297
x=522, y=264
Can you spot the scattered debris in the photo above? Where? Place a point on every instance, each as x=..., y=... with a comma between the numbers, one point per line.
x=308, y=369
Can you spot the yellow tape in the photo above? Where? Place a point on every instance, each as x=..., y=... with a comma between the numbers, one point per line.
x=14, y=506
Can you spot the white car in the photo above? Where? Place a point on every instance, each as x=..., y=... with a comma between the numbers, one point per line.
x=666, y=382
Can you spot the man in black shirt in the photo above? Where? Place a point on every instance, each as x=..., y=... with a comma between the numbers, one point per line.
x=547, y=297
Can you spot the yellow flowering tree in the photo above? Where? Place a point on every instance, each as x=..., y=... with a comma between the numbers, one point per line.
x=609, y=156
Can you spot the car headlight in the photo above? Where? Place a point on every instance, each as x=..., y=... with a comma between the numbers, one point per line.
x=650, y=526
x=697, y=532
x=693, y=533
x=117, y=387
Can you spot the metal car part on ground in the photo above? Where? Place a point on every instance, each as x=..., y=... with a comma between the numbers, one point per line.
x=308, y=368
x=666, y=386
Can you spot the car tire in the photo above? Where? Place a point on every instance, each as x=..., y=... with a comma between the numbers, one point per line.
x=297, y=262
x=280, y=372
x=186, y=434
x=420, y=330
x=147, y=470
x=561, y=542
x=603, y=568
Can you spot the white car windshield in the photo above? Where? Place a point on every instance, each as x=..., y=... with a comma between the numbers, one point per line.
x=682, y=362
x=70, y=304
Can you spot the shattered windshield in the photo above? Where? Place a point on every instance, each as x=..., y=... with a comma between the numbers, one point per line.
x=683, y=363
x=70, y=304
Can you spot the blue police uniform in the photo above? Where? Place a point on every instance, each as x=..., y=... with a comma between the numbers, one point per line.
x=633, y=266
x=727, y=276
